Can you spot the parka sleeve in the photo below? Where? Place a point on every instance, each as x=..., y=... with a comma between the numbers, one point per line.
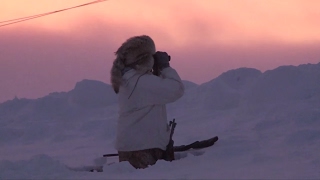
x=161, y=90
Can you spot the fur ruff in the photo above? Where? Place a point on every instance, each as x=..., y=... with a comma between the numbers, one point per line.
x=137, y=53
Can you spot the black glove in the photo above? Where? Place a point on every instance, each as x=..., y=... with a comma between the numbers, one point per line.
x=161, y=60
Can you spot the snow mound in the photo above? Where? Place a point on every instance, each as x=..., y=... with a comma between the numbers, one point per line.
x=223, y=92
x=286, y=83
x=239, y=78
x=267, y=123
x=90, y=93
x=189, y=85
x=58, y=116
x=38, y=167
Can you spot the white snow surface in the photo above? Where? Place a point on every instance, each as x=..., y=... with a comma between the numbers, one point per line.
x=268, y=126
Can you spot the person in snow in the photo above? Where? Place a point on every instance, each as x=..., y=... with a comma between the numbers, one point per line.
x=142, y=128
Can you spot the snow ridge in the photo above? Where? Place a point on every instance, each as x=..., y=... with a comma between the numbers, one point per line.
x=268, y=125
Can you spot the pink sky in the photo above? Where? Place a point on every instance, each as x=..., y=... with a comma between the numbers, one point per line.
x=204, y=38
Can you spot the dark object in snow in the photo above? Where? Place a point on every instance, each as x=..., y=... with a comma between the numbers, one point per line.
x=169, y=154
x=170, y=149
x=195, y=145
x=87, y=168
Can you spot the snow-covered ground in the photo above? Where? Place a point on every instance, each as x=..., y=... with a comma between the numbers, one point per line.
x=268, y=126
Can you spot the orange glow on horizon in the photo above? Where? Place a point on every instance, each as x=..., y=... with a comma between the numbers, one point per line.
x=205, y=38
x=185, y=22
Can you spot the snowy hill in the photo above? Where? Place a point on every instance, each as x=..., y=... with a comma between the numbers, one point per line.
x=189, y=85
x=89, y=93
x=268, y=124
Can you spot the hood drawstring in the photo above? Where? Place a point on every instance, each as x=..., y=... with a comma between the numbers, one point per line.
x=136, y=84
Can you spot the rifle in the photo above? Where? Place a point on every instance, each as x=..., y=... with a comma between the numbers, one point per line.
x=170, y=149
x=169, y=154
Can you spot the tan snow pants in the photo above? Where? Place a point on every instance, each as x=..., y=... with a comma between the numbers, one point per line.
x=143, y=158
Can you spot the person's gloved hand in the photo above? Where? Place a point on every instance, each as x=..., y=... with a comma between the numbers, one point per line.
x=161, y=59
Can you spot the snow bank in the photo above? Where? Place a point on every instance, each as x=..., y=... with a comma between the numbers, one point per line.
x=267, y=123
x=38, y=167
x=92, y=94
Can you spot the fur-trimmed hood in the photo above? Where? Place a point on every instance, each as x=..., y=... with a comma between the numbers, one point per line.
x=137, y=53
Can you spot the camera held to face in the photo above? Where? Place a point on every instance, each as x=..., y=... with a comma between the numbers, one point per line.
x=161, y=61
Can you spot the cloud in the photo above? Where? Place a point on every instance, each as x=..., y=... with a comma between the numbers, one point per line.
x=203, y=63
x=35, y=61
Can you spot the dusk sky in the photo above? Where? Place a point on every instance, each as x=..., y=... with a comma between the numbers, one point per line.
x=204, y=38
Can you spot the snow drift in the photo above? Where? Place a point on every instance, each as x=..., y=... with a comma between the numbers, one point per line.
x=268, y=126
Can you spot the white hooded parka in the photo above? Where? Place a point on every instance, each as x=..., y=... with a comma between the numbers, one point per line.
x=142, y=122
